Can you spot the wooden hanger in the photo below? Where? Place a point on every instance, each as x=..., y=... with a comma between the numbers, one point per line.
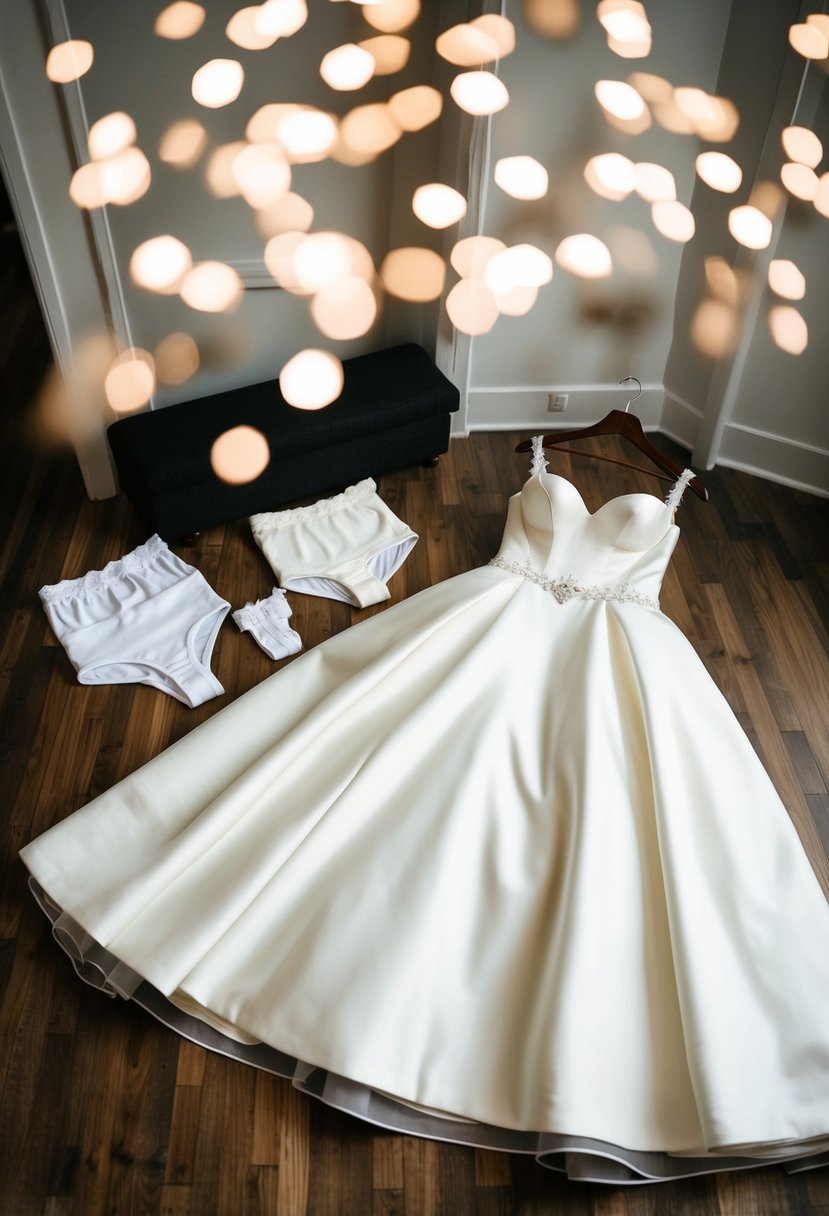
x=619, y=422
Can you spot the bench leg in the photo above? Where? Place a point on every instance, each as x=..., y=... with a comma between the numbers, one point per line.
x=190, y=539
x=430, y=462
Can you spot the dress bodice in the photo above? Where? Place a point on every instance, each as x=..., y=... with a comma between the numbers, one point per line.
x=627, y=542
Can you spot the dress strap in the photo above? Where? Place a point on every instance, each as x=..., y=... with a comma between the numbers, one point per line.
x=539, y=464
x=674, y=497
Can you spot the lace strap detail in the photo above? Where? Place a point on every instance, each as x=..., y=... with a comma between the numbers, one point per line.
x=674, y=496
x=274, y=608
x=539, y=463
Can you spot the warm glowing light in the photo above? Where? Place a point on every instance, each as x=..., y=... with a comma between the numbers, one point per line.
x=821, y=20
x=521, y=176
x=712, y=118
x=176, y=358
x=413, y=274
x=655, y=183
x=211, y=287
x=366, y=131
x=306, y=134
x=810, y=41
x=821, y=199
x=179, y=20
x=391, y=16
x=183, y=143
x=160, y=264
x=466, y=47
x=241, y=29
x=799, y=180
x=518, y=266
x=516, y=303
x=263, y=125
x=347, y=67
x=801, y=144
x=111, y=135
x=499, y=29
x=471, y=307
x=479, y=92
x=279, y=259
x=312, y=379
x=390, y=53
x=345, y=310
x=281, y=17
x=471, y=256
x=130, y=381
x=552, y=18
x=630, y=48
x=767, y=197
x=69, y=60
x=750, y=227
x=786, y=280
x=719, y=171
x=653, y=88
x=438, y=205
x=289, y=213
x=669, y=116
x=714, y=328
x=217, y=83
x=120, y=179
x=610, y=175
x=788, y=328
x=585, y=255
x=632, y=251
x=414, y=108
x=721, y=279
x=240, y=455
x=219, y=172
x=619, y=99
x=628, y=30
x=86, y=189
x=322, y=258
x=673, y=220
x=262, y=173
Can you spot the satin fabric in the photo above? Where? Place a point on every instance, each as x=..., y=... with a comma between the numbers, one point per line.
x=507, y=859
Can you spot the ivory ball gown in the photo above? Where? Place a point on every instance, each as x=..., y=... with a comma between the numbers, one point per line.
x=497, y=866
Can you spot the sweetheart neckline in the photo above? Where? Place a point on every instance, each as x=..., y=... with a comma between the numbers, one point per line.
x=607, y=503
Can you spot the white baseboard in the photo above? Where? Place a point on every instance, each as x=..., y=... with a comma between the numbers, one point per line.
x=680, y=420
x=800, y=465
x=517, y=409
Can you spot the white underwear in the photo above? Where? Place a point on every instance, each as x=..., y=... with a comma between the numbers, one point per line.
x=146, y=618
x=344, y=548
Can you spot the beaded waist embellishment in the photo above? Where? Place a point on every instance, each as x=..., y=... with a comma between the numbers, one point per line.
x=564, y=589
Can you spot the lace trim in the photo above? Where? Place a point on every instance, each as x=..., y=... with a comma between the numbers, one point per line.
x=270, y=520
x=674, y=496
x=274, y=608
x=564, y=589
x=95, y=580
x=539, y=463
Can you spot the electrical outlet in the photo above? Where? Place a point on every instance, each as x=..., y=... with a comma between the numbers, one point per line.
x=557, y=402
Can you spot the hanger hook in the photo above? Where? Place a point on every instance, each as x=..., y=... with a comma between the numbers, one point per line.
x=638, y=395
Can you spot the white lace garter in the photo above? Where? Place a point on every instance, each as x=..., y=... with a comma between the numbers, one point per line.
x=564, y=589
x=267, y=621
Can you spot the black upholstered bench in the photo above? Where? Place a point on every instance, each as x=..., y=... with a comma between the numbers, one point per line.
x=393, y=412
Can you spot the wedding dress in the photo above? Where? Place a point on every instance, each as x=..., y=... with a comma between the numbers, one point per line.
x=497, y=866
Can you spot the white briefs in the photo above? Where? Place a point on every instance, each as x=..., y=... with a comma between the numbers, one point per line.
x=146, y=618
x=344, y=548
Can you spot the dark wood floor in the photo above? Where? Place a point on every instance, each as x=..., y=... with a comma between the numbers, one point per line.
x=105, y=1111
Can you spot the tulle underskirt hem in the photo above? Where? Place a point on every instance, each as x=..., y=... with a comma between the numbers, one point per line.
x=580, y=1158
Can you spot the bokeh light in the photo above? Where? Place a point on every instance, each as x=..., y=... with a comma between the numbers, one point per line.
x=347, y=67
x=176, y=358
x=627, y=27
x=610, y=175
x=390, y=53
x=466, y=47
x=654, y=183
x=281, y=18
x=516, y=303
x=179, y=20
x=413, y=274
x=673, y=220
x=750, y=227
x=788, y=329
x=211, y=287
x=414, y=108
x=500, y=29
x=585, y=255
x=345, y=310
x=365, y=132
x=479, y=92
x=242, y=29
x=471, y=256
x=219, y=171
x=521, y=177
x=279, y=259
x=712, y=118
x=714, y=328
x=111, y=135
x=721, y=279
x=471, y=307
x=261, y=173
x=801, y=144
x=312, y=379
x=160, y=264
x=217, y=83
x=518, y=266
x=391, y=16
x=130, y=381
x=323, y=258
x=183, y=143
x=821, y=199
x=306, y=134
x=437, y=205
x=240, y=455
x=289, y=213
x=719, y=171
x=786, y=280
x=557, y=19
x=620, y=100
x=799, y=180
x=69, y=60
x=809, y=40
